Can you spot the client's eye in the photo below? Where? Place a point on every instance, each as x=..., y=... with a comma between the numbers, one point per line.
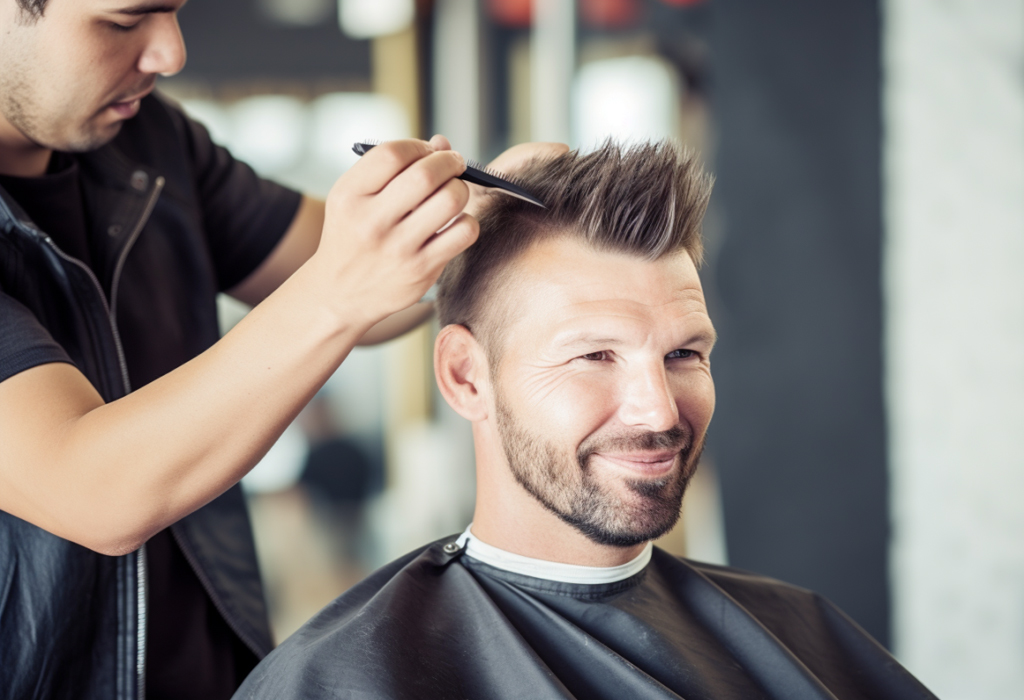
x=680, y=355
x=595, y=356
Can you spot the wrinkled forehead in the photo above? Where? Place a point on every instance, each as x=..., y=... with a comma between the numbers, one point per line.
x=561, y=282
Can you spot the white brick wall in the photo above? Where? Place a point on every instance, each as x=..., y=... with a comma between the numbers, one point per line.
x=954, y=276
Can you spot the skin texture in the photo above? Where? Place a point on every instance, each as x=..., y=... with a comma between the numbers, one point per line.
x=109, y=476
x=591, y=416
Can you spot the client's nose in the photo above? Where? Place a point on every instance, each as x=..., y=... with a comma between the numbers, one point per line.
x=648, y=401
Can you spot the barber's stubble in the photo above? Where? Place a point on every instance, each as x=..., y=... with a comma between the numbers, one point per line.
x=567, y=486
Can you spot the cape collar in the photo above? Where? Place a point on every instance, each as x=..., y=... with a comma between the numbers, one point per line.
x=550, y=570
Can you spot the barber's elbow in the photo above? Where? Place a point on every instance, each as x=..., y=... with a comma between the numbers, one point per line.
x=113, y=538
x=114, y=548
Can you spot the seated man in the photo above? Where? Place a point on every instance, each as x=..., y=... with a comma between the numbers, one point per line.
x=577, y=342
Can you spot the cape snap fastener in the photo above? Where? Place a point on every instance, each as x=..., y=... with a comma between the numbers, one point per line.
x=450, y=548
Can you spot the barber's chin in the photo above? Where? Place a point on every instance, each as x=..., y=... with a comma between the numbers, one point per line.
x=640, y=466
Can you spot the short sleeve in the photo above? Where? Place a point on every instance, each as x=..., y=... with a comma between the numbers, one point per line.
x=244, y=215
x=24, y=343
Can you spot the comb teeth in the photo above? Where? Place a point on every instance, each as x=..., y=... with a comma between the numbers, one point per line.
x=494, y=173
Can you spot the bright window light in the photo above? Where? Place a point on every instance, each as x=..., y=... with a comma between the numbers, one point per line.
x=268, y=132
x=634, y=98
x=213, y=116
x=340, y=119
x=364, y=19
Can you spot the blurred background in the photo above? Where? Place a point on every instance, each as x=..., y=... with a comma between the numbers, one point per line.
x=865, y=240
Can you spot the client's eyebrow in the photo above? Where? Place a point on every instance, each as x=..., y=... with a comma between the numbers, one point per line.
x=708, y=337
x=586, y=338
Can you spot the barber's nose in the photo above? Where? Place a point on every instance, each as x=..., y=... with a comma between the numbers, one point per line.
x=648, y=401
x=165, y=52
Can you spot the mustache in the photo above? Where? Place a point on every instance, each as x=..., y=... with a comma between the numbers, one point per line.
x=677, y=439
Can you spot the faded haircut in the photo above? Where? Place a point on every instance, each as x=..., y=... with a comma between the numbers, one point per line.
x=645, y=200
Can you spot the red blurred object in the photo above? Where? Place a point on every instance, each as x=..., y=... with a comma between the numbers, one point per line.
x=511, y=13
x=610, y=14
x=683, y=3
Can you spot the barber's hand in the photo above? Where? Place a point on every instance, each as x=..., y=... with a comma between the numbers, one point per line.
x=380, y=250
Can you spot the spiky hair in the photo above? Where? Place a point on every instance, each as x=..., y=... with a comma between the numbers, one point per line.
x=646, y=200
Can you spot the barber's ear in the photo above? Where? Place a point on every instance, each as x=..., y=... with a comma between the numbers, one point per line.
x=460, y=367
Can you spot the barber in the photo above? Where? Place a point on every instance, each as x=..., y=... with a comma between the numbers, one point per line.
x=127, y=567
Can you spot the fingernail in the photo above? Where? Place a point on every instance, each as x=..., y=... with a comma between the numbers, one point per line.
x=462, y=161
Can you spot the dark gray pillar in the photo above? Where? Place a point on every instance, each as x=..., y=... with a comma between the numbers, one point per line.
x=799, y=434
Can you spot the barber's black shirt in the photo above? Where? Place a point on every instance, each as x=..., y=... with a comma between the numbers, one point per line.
x=54, y=203
x=191, y=650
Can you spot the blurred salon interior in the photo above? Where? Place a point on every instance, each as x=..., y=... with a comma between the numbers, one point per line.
x=864, y=271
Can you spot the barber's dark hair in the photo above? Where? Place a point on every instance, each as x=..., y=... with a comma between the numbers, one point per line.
x=33, y=8
x=646, y=200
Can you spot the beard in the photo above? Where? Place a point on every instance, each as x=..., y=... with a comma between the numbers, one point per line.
x=61, y=127
x=568, y=487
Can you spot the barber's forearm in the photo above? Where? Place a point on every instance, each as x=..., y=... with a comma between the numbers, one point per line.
x=398, y=324
x=127, y=469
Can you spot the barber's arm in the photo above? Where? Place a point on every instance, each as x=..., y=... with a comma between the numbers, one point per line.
x=109, y=476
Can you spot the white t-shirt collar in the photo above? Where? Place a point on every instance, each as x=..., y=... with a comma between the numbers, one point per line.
x=550, y=570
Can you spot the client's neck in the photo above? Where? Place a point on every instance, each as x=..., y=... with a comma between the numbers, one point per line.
x=509, y=518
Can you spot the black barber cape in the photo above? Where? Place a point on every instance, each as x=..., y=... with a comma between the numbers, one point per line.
x=438, y=624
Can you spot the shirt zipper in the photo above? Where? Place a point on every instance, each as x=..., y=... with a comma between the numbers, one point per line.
x=111, y=310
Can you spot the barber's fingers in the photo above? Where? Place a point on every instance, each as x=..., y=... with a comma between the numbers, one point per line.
x=434, y=213
x=414, y=185
x=442, y=247
x=382, y=164
x=440, y=143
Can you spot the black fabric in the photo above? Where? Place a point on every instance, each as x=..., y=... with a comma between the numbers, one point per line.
x=54, y=202
x=158, y=202
x=437, y=625
x=24, y=342
x=192, y=651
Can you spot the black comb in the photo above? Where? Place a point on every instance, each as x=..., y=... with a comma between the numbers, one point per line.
x=478, y=175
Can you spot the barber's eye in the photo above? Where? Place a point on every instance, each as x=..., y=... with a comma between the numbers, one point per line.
x=681, y=355
x=595, y=356
x=122, y=27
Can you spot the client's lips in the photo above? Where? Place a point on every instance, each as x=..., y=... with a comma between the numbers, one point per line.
x=643, y=463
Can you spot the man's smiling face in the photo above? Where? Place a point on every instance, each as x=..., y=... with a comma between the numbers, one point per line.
x=69, y=78
x=602, y=385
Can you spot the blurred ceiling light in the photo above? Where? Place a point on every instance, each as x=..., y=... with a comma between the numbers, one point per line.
x=268, y=132
x=511, y=13
x=213, y=116
x=610, y=14
x=340, y=119
x=297, y=13
x=630, y=99
x=365, y=19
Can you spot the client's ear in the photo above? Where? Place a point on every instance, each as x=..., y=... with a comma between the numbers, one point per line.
x=460, y=367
